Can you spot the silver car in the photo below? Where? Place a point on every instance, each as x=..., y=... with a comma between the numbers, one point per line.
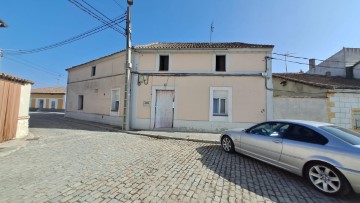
x=327, y=155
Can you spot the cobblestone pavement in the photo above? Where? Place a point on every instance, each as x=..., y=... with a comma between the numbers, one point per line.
x=78, y=163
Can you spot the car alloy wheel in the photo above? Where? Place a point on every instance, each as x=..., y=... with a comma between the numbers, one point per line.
x=227, y=144
x=327, y=179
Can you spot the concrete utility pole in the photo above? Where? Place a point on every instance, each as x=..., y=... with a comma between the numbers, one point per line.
x=127, y=96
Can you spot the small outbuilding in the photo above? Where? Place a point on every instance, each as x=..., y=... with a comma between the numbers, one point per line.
x=14, y=107
x=318, y=98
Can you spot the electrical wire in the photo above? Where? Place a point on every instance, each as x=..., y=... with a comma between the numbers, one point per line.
x=88, y=11
x=117, y=3
x=99, y=12
x=305, y=58
x=36, y=67
x=303, y=63
x=67, y=41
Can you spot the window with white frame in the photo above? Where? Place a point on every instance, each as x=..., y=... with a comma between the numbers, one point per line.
x=220, y=104
x=115, y=100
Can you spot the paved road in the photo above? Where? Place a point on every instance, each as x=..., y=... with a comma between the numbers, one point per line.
x=73, y=162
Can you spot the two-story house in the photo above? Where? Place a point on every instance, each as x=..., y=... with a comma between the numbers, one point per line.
x=185, y=86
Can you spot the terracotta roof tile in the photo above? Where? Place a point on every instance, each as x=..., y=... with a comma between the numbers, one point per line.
x=49, y=90
x=327, y=82
x=15, y=79
x=185, y=45
x=200, y=45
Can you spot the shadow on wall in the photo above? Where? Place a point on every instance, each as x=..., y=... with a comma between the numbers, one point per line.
x=262, y=179
x=56, y=120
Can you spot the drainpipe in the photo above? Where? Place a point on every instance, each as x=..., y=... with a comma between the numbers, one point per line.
x=127, y=95
x=269, y=88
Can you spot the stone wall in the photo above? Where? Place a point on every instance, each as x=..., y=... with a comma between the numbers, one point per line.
x=343, y=108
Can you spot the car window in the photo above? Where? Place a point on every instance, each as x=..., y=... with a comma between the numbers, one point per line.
x=344, y=134
x=273, y=129
x=304, y=134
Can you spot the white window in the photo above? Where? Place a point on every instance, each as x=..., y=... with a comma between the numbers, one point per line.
x=115, y=100
x=220, y=104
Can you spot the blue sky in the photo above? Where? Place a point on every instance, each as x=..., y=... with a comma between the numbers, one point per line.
x=304, y=28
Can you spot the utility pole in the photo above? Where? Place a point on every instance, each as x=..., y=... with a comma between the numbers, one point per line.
x=127, y=95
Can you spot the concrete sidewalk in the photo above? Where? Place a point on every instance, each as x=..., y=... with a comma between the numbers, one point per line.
x=213, y=138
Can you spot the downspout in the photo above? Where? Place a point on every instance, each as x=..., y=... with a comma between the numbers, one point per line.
x=269, y=89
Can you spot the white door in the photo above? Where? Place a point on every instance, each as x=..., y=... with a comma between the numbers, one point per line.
x=164, y=109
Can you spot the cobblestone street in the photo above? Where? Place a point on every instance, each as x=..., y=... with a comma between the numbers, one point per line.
x=73, y=162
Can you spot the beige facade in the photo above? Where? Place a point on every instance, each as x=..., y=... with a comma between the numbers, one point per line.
x=190, y=94
x=97, y=90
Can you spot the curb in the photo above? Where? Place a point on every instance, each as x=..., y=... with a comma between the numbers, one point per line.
x=171, y=138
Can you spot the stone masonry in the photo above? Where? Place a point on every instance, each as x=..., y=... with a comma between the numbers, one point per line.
x=341, y=108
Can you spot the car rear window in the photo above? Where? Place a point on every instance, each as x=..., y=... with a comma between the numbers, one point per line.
x=344, y=134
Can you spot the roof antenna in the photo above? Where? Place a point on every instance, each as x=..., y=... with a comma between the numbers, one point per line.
x=212, y=28
x=286, y=55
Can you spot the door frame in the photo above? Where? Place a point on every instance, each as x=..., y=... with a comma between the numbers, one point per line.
x=153, y=103
x=56, y=103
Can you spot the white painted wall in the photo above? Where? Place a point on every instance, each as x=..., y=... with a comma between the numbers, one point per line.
x=313, y=109
x=23, y=119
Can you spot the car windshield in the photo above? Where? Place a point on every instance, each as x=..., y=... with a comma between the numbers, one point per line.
x=344, y=134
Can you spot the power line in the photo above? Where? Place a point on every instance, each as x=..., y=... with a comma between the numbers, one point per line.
x=119, y=5
x=36, y=67
x=67, y=41
x=297, y=57
x=305, y=58
x=99, y=12
x=303, y=63
x=86, y=10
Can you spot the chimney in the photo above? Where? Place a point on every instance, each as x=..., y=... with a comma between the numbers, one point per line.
x=312, y=65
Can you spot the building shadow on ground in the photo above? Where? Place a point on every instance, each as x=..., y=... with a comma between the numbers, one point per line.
x=263, y=179
x=56, y=120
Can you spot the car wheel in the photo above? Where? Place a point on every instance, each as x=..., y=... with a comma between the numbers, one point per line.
x=327, y=179
x=227, y=144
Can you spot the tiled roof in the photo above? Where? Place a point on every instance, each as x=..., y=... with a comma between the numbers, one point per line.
x=327, y=82
x=186, y=45
x=49, y=90
x=203, y=45
x=15, y=79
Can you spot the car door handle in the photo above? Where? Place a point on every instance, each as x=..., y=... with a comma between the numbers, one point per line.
x=277, y=141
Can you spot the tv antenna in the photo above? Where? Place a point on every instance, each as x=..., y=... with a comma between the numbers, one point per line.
x=212, y=28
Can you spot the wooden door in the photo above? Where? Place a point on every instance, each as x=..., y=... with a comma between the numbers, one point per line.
x=164, y=109
x=9, y=109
